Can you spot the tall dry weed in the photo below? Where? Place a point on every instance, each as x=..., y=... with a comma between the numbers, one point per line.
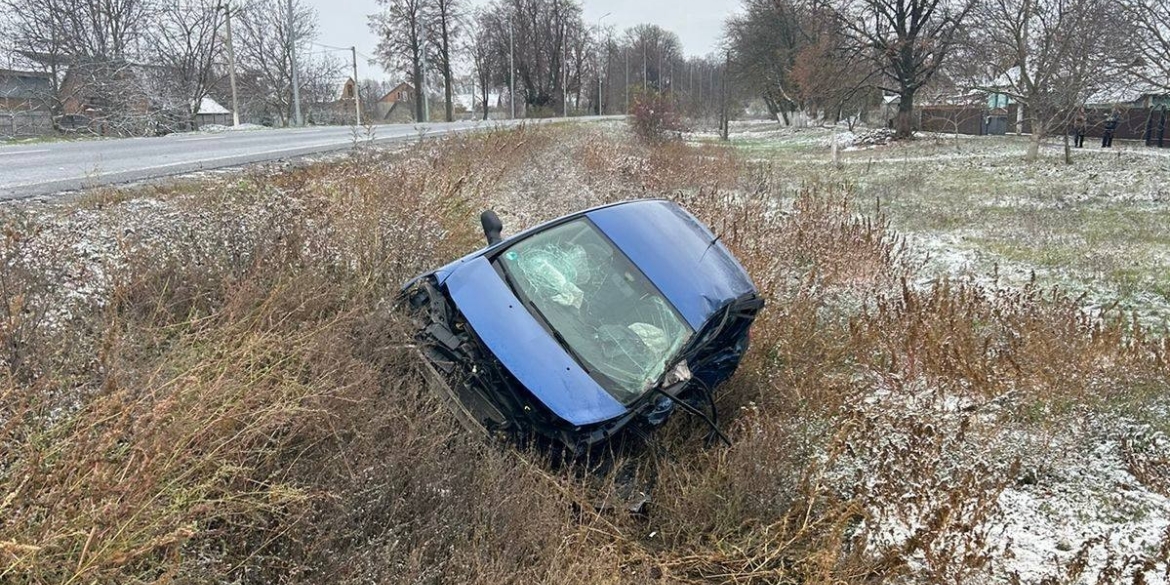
x=242, y=406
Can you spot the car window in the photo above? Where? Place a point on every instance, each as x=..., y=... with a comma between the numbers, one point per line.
x=608, y=314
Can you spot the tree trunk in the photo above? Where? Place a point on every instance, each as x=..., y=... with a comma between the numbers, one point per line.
x=418, y=93
x=1034, y=143
x=448, y=94
x=447, y=81
x=904, y=119
x=1067, y=150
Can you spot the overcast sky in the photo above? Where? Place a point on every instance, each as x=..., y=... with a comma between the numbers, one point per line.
x=698, y=23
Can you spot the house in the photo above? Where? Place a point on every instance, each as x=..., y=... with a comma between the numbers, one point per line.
x=403, y=92
x=25, y=90
x=332, y=103
x=1136, y=94
x=397, y=106
x=211, y=112
x=24, y=103
x=348, y=90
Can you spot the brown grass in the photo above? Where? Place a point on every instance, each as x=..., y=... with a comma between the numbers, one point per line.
x=242, y=408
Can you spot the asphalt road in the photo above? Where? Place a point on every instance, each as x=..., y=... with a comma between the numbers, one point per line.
x=54, y=167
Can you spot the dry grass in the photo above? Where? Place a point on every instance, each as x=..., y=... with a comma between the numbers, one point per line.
x=237, y=405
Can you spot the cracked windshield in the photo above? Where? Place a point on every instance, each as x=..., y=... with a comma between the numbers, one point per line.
x=605, y=310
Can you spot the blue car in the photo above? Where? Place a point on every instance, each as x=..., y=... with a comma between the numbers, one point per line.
x=585, y=326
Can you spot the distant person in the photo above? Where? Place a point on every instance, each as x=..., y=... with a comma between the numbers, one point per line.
x=1080, y=127
x=1110, y=128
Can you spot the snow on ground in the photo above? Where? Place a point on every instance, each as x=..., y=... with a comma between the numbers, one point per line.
x=973, y=210
x=1095, y=508
x=1074, y=500
x=218, y=128
x=1076, y=495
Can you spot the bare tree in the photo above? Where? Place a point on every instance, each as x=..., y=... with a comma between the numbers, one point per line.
x=1152, y=21
x=370, y=91
x=104, y=29
x=652, y=46
x=184, y=44
x=85, y=46
x=322, y=78
x=484, y=61
x=765, y=39
x=446, y=19
x=544, y=32
x=908, y=41
x=33, y=29
x=829, y=83
x=1050, y=56
x=263, y=53
x=400, y=26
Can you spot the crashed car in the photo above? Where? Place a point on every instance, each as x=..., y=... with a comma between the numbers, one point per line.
x=585, y=326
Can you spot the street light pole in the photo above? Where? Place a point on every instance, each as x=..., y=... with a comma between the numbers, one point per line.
x=512, y=65
x=422, y=81
x=627, y=81
x=600, y=112
x=292, y=55
x=227, y=17
x=357, y=94
x=565, y=74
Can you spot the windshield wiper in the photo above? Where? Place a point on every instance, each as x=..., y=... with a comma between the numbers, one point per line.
x=697, y=341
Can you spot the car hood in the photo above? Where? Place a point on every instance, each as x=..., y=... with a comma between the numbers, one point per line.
x=687, y=263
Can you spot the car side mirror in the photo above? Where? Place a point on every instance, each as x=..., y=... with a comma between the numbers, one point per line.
x=492, y=227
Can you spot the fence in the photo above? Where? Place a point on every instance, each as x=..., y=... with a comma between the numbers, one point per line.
x=1149, y=125
x=23, y=124
x=955, y=120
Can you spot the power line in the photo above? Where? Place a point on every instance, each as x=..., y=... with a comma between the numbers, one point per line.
x=323, y=45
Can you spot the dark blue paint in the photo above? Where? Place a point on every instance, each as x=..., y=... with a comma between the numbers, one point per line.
x=525, y=348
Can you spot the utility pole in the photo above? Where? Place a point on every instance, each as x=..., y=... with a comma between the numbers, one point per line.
x=227, y=17
x=658, y=73
x=600, y=112
x=724, y=118
x=422, y=80
x=565, y=74
x=292, y=55
x=700, y=98
x=357, y=89
x=627, y=81
x=474, y=74
x=512, y=65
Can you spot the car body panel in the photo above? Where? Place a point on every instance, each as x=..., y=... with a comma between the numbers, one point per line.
x=523, y=346
x=678, y=254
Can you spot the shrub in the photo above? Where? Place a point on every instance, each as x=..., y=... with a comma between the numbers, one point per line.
x=654, y=118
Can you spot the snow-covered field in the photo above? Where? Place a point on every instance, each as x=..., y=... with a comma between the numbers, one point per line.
x=1073, y=493
x=1098, y=227
x=974, y=211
